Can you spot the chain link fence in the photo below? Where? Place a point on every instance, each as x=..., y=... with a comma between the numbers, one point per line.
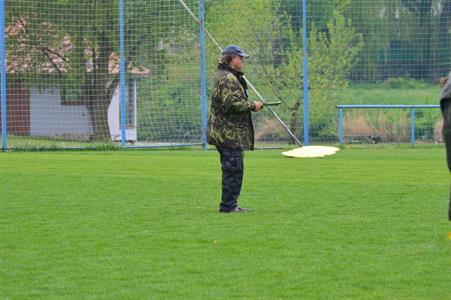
x=63, y=68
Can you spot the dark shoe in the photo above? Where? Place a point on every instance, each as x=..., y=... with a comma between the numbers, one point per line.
x=237, y=209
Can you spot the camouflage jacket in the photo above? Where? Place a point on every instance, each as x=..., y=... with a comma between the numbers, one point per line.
x=230, y=123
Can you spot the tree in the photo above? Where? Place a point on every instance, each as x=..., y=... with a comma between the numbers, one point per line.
x=93, y=29
x=332, y=54
x=416, y=44
x=444, y=39
x=422, y=9
x=244, y=24
x=272, y=31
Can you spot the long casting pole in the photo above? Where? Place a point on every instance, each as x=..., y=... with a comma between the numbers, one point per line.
x=249, y=84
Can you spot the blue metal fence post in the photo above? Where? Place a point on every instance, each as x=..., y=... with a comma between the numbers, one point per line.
x=3, y=73
x=203, y=75
x=412, y=126
x=122, y=71
x=340, y=125
x=305, y=68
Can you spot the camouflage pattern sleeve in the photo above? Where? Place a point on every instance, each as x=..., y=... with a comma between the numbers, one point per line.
x=230, y=123
x=233, y=96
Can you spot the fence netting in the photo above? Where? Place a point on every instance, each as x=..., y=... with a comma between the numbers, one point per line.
x=392, y=125
x=63, y=58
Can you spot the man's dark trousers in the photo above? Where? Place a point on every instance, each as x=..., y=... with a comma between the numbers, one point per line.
x=446, y=109
x=232, y=177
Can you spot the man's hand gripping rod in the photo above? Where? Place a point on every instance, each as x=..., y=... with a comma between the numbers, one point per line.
x=249, y=84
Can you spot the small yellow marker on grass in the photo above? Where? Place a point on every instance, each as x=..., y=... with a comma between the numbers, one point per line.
x=449, y=236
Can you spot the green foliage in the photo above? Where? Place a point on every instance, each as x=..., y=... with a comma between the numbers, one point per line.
x=394, y=91
x=348, y=41
x=258, y=15
x=168, y=114
x=425, y=123
x=34, y=144
x=233, y=28
x=331, y=58
x=93, y=30
x=402, y=38
x=293, y=8
x=403, y=82
x=276, y=54
x=168, y=104
x=393, y=124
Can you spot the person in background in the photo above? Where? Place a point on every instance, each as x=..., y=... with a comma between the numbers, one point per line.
x=230, y=126
x=445, y=105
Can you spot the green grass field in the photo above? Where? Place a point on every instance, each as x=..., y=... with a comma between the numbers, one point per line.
x=365, y=223
x=397, y=91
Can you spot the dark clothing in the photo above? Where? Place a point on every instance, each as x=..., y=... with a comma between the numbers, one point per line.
x=446, y=109
x=445, y=104
x=232, y=177
x=446, y=91
x=230, y=124
x=230, y=129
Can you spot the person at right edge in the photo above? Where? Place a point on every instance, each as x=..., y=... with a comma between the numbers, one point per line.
x=445, y=105
x=230, y=126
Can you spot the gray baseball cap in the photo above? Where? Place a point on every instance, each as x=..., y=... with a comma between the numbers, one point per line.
x=234, y=49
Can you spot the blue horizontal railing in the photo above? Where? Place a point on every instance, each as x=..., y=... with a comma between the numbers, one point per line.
x=403, y=106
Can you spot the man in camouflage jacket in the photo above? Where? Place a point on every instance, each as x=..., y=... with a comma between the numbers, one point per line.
x=445, y=104
x=230, y=126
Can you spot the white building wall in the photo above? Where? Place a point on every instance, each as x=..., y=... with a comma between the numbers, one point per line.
x=49, y=118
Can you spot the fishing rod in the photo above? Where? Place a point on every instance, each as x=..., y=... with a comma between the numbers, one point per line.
x=247, y=81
